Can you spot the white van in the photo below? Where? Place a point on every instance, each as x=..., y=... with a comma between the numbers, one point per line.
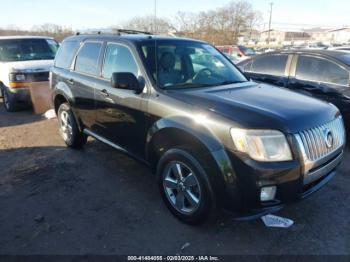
x=25, y=62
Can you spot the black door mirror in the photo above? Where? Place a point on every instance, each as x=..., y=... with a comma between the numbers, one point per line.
x=126, y=81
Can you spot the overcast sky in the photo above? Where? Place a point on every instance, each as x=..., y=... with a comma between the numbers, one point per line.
x=103, y=13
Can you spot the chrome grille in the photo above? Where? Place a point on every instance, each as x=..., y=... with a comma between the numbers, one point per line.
x=38, y=76
x=315, y=139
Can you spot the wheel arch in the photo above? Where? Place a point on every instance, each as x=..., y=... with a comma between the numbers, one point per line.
x=201, y=140
x=58, y=100
x=62, y=93
x=181, y=130
x=159, y=142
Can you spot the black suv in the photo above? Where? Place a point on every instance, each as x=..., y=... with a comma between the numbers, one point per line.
x=214, y=139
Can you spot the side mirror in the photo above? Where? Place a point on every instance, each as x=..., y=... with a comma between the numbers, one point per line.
x=126, y=81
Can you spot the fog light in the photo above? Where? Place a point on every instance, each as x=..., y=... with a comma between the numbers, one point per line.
x=268, y=193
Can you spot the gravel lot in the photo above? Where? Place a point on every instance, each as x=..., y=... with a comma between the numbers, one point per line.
x=54, y=200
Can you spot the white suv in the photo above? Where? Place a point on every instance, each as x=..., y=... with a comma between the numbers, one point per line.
x=25, y=62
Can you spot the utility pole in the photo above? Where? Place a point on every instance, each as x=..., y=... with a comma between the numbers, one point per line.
x=155, y=17
x=269, y=34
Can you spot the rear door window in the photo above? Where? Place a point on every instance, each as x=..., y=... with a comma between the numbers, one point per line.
x=270, y=65
x=66, y=54
x=88, y=57
x=321, y=70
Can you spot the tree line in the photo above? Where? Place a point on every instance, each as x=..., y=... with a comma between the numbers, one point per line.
x=220, y=26
x=56, y=31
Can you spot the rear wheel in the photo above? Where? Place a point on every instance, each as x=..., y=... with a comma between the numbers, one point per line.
x=185, y=186
x=69, y=129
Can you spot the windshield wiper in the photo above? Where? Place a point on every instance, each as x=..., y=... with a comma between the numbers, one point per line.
x=230, y=83
x=224, y=83
x=184, y=85
x=192, y=85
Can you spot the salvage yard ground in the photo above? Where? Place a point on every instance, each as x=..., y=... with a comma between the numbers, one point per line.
x=54, y=200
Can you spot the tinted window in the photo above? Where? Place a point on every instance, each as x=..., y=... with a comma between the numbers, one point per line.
x=321, y=70
x=118, y=59
x=270, y=64
x=65, y=54
x=87, y=59
x=27, y=49
x=247, y=51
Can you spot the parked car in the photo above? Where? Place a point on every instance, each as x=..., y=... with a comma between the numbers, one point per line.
x=24, y=61
x=321, y=74
x=236, y=53
x=214, y=139
x=340, y=48
x=259, y=51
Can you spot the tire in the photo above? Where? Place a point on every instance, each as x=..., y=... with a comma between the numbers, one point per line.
x=69, y=129
x=9, y=101
x=190, y=199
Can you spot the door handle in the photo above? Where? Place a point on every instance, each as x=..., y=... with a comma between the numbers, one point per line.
x=70, y=81
x=104, y=93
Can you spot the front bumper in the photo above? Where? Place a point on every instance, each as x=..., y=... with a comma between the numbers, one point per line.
x=19, y=94
x=23, y=94
x=313, y=165
x=265, y=210
x=289, y=178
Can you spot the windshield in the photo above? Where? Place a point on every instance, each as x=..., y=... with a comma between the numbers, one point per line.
x=12, y=50
x=188, y=64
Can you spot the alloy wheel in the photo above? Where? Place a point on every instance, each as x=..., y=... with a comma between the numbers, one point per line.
x=66, y=126
x=182, y=187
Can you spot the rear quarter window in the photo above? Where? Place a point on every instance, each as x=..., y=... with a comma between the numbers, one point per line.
x=270, y=65
x=66, y=54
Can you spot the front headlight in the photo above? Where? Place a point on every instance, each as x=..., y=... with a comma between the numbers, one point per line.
x=262, y=145
x=15, y=77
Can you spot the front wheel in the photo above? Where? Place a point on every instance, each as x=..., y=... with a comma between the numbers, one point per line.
x=9, y=101
x=69, y=129
x=185, y=187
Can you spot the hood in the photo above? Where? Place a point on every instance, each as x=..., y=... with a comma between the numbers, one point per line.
x=261, y=106
x=30, y=66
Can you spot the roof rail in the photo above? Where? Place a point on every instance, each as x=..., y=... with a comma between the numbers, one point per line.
x=132, y=32
x=94, y=32
x=113, y=31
